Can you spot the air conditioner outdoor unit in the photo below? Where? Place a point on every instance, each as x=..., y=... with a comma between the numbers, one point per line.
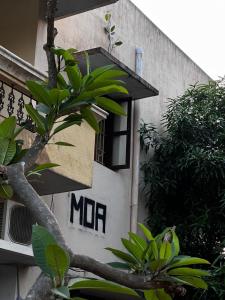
x=15, y=223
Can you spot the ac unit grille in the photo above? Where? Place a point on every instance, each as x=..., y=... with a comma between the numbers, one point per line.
x=20, y=226
x=1, y=219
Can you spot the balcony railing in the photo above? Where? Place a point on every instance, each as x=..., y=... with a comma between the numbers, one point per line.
x=12, y=103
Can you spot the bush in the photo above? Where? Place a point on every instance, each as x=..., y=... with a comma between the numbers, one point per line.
x=185, y=178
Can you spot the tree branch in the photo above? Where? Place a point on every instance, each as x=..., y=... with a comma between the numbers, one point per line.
x=41, y=290
x=26, y=195
x=51, y=33
x=34, y=152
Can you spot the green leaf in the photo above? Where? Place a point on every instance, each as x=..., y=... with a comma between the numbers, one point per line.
x=119, y=265
x=110, y=74
x=110, y=105
x=62, y=292
x=7, y=151
x=38, y=119
x=39, y=92
x=139, y=241
x=119, y=43
x=162, y=295
x=7, y=128
x=104, y=80
x=74, y=104
x=146, y=231
x=74, y=75
x=149, y=236
x=150, y=295
x=191, y=280
x=184, y=261
x=6, y=191
x=99, y=71
x=57, y=95
x=132, y=249
x=175, y=243
x=108, y=17
x=62, y=84
x=66, y=125
x=88, y=116
x=165, y=251
x=107, y=90
x=68, y=55
x=64, y=144
x=45, y=166
x=102, y=285
x=123, y=255
x=103, y=83
x=57, y=260
x=147, y=252
x=51, y=118
x=158, y=294
x=11, y=151
x=188, y=272
x=41, y=239
x=157, y=264
x=74, y=117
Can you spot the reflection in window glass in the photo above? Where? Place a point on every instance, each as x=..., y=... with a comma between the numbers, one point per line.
x=119, y=150
x=120, y=122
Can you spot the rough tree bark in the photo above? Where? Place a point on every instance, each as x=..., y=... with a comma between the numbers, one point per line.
x=25, y=194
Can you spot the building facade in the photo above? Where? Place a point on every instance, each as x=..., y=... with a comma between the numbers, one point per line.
x=95, y=193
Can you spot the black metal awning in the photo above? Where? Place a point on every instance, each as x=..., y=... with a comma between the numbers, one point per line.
x=138, y=87
x=68, y=8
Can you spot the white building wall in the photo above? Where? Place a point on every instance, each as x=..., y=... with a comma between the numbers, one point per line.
x=109, y=188
x=166, y=67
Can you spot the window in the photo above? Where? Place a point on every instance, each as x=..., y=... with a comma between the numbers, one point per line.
x=112, y=146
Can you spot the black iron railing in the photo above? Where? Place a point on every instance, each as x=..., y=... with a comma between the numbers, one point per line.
x=12, y=103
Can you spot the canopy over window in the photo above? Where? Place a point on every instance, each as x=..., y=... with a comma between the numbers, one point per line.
x=72, y=7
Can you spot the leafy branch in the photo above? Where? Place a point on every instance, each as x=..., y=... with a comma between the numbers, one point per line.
x=110, y=31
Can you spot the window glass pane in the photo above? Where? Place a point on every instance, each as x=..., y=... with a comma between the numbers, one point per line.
x=119, y=150
x=120, y=122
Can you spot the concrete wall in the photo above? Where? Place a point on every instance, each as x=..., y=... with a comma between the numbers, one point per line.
x=165, y=66
x=8, y=282
x=88, y=241
x=75, y=162
x=18, y=23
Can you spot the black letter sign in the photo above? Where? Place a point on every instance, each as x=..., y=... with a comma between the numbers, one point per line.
x=89, y=220
x=100, y=215
x=90, y=203
x=77, y=206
